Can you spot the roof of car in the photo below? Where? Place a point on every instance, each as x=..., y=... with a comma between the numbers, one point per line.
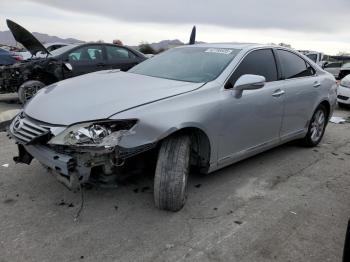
x=55, y=43
x=233, y=45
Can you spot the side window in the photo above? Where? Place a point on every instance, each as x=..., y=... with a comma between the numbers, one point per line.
x=294, y=66
x=54, y=47
x=116, y=52
x=50, y=48
x=260, y=62
x=86, y=54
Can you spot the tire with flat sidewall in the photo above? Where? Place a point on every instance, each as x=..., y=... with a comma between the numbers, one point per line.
x=170, y=181
x=24, y=86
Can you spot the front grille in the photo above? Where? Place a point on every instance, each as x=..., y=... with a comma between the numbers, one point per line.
x=343, y=97
x=26, y=130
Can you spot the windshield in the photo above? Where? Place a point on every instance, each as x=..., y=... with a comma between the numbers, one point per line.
x=190, y=64
x=61, y=50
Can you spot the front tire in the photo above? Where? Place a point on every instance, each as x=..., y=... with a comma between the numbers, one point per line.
x=170, y=181
x=28, y=89
x=317, y=127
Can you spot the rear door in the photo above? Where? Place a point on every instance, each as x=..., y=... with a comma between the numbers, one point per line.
x=119, y=57
x=252, y=121
x=87, y=59
x=300, y=84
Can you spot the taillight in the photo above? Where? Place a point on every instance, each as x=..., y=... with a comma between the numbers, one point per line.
x=17, y=57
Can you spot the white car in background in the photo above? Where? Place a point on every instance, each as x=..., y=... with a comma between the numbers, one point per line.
x=344, y=70
x=343, y=97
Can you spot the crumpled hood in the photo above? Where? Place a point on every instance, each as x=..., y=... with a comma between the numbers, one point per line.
x=27, y=39
x=100, y=95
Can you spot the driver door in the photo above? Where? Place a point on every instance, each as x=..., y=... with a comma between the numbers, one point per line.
x=253, y=121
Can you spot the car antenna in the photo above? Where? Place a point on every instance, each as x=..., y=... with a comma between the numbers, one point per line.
x=193, y=36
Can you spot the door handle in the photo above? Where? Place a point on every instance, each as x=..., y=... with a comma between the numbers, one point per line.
x=317, y=84
x=278, y=93
x=101, y=64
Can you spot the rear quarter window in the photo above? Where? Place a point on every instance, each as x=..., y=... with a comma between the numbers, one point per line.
x=293, y=66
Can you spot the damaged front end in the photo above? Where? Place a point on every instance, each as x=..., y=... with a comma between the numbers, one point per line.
x=11, y=77
x=73, y=152
x=44, y=70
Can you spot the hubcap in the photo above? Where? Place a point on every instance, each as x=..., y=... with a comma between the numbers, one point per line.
x=317, y=125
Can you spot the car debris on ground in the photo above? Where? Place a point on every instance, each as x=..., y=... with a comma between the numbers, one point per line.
x=337, y=120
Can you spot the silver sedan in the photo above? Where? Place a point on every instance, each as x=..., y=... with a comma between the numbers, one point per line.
x=201, y=106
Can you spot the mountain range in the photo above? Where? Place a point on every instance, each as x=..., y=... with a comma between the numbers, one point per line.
x=6, y=38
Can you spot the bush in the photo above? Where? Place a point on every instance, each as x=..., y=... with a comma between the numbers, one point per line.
x=146, y=48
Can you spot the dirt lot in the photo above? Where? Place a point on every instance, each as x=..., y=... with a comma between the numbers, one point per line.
x=288, y=204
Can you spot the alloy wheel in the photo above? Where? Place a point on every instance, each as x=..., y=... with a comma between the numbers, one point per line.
x=317, y=125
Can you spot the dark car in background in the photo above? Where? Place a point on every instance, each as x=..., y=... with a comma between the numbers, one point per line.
x=28, y=77
x=8, y=57
x=344, y=70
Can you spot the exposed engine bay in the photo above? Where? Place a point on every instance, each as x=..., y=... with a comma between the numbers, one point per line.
x=45, y=70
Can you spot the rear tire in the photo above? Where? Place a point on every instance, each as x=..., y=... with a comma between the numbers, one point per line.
x=317, y=127
x=170, y=181
x=28, y=89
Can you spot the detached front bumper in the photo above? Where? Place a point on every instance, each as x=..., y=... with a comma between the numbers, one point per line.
x=70, y=170
x=71, y=164
x=63, y=164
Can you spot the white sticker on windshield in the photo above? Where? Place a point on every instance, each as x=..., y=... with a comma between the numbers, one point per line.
x=219, y=51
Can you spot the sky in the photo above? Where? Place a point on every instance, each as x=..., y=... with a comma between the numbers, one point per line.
x=321, y=25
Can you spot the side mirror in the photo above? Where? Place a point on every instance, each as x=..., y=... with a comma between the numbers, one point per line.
x=68, y=66
x=248, y=82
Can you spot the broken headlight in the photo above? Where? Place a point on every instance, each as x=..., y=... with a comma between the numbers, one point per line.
x=91, y=134
x=105, y=133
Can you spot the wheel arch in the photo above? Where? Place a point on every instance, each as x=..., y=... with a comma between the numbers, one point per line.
x=201, y=146
x=327, y=105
